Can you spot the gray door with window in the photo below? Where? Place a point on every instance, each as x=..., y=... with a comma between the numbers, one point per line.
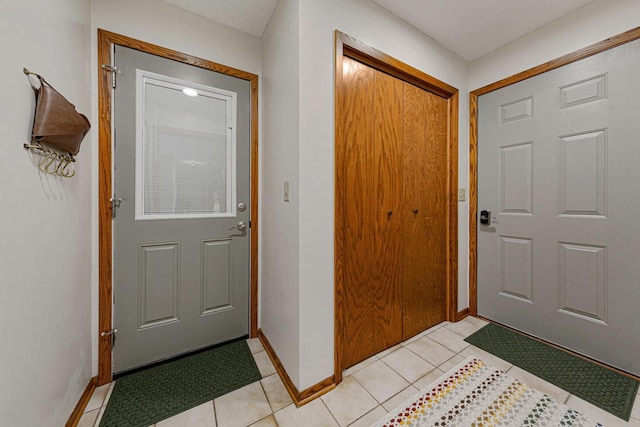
x=181, y=233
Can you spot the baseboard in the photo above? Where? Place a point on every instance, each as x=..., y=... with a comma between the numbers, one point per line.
x=82, y=403
x=462, y=314
x=315, y=391
x=305, y=396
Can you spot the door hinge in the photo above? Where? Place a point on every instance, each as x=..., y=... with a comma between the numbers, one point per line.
x=115, y=204
x=113, y=70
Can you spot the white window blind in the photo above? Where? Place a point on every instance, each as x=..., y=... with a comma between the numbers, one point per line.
x=185, y=150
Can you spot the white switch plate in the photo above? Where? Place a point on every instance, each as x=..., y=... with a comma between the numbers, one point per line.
x=286, y=191
x=462, y=194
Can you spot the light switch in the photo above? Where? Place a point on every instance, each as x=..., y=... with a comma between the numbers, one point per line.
x=286, y=191
x=462, y=194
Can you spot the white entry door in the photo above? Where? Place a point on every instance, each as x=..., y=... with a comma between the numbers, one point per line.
x=558, y=159
x=181, y=233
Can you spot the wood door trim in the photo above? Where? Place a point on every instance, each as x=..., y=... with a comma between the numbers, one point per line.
x=106, y=41
x=305, y=396
x=348, y=46
x=452, y=217
x=594, y=49
x=379, y=60
x=462, y=314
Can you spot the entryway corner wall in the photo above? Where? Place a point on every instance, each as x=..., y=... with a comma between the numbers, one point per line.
x=307, y=342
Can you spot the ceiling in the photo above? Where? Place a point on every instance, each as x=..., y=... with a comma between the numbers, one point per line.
x=249, y=16
x=470, y=28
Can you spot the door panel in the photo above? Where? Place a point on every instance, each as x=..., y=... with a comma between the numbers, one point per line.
x=181, y=277
x=436, y=193
x=423, y=211
x=557, y=157
x=415, y=181
x=358, y=222
x=373, y=173
x=159, y=284
x=217, y=275
x=387, y=208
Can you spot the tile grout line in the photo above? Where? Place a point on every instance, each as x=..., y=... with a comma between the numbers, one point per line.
x=422, y=376
x=215, y=415
x=404, y=344
x=330, y=413
x=365, y=389
x=436, y=366
x=396, y=372
x=366, y=413
x=266, y=396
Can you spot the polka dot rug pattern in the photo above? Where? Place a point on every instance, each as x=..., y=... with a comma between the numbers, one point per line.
x=477, y=394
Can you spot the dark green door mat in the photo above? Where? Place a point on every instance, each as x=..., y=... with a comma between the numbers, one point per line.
x=599, y=386
x=151, y=395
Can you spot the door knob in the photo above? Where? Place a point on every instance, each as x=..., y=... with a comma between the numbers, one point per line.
x=242, y=226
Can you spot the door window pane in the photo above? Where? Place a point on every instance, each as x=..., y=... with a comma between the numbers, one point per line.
x=185, y=149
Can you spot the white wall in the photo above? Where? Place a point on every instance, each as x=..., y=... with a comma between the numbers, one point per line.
x=45, y=262
x=587, y=25
x=279, y=281
x=160, y=23
x=374, y=26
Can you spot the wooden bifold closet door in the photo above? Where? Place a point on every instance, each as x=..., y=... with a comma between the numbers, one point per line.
x=394, y=218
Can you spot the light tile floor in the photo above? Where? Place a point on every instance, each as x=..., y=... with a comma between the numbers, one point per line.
x=368, y=391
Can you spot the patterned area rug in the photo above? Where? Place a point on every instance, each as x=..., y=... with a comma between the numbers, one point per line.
x=143, y=398
x=477, y=394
